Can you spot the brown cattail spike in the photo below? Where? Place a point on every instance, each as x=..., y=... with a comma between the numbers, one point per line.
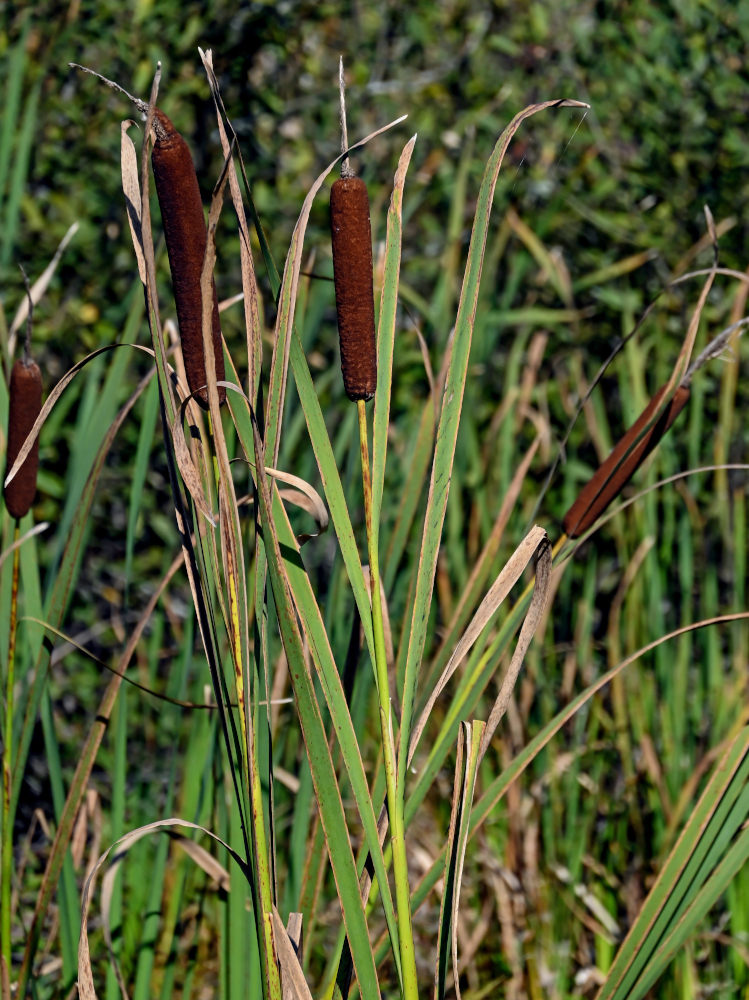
x=185, y=234
x=24, y=406
x=354, y=296
x=613, y=475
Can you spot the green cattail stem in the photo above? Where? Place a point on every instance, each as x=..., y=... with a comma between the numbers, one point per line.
x=395, y=794
x=6, y=830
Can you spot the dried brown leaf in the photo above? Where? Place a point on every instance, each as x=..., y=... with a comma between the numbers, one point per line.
x=292, y=978
x=131, y=190
x=86, y=988
x=38, y=289
x=536, y=541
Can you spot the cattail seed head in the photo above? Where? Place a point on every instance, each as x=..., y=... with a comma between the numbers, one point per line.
x=352, y=273
x=185, y=235
x=613, y=475
x=24, y=405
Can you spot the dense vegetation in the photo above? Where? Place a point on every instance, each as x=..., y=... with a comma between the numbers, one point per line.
x=596, y=216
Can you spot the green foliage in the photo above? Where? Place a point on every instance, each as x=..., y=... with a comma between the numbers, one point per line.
x=593, y=215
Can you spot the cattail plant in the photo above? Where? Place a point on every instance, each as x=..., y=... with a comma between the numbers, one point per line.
x=25, y=403
x=230, y=581
x=24, y=406
x=185, y=236
x=630, y=452
x=352, y=273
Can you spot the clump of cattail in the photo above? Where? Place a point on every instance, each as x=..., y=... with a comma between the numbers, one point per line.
x=24, y=405
x=185, y=235
x=352, y=273
x=626, y=458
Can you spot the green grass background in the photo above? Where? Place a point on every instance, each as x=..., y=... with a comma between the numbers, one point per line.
x=593, y=216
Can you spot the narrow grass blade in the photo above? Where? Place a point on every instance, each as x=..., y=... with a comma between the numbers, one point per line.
x=78, y=785
x=314, y=869
x=332, y=485
x=442, y=300
x=146, y=437
x=142, y=236
x=39, y=287
x=86, y=986
x=249, y=282
x=550, y=268
x=534, y=544
x=608, y=272
x=154, y=888
x=480, y=571
x=119, y=730
x=322, y=655
x=448, y=877
x=323, y=774
x=38, y=529
x=475, y=736
x=386, y=330
x=448, y=425
x=533, y=618
x=19, y=171
x=411, y=493
x=294, y=984
x=721, y=810
x=273, y=276
x=64, y=885
x=131, y=191
x=496, y=790
x=195, y=803
x=15, y=67
x=191, y=475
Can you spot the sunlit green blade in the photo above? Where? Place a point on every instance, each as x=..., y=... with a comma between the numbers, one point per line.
x=720, y=812
x=326, y=785
x=332, y=484
x=314, y=631
x=447, y=430
x=386, y=332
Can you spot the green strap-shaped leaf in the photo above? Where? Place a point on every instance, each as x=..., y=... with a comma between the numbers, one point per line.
x=332, y=485
x=386, y=331
x=722, y=808
x=321, y=765
x=734, y=860
x=322, y=655
x=58, y=600
x=447, y=430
